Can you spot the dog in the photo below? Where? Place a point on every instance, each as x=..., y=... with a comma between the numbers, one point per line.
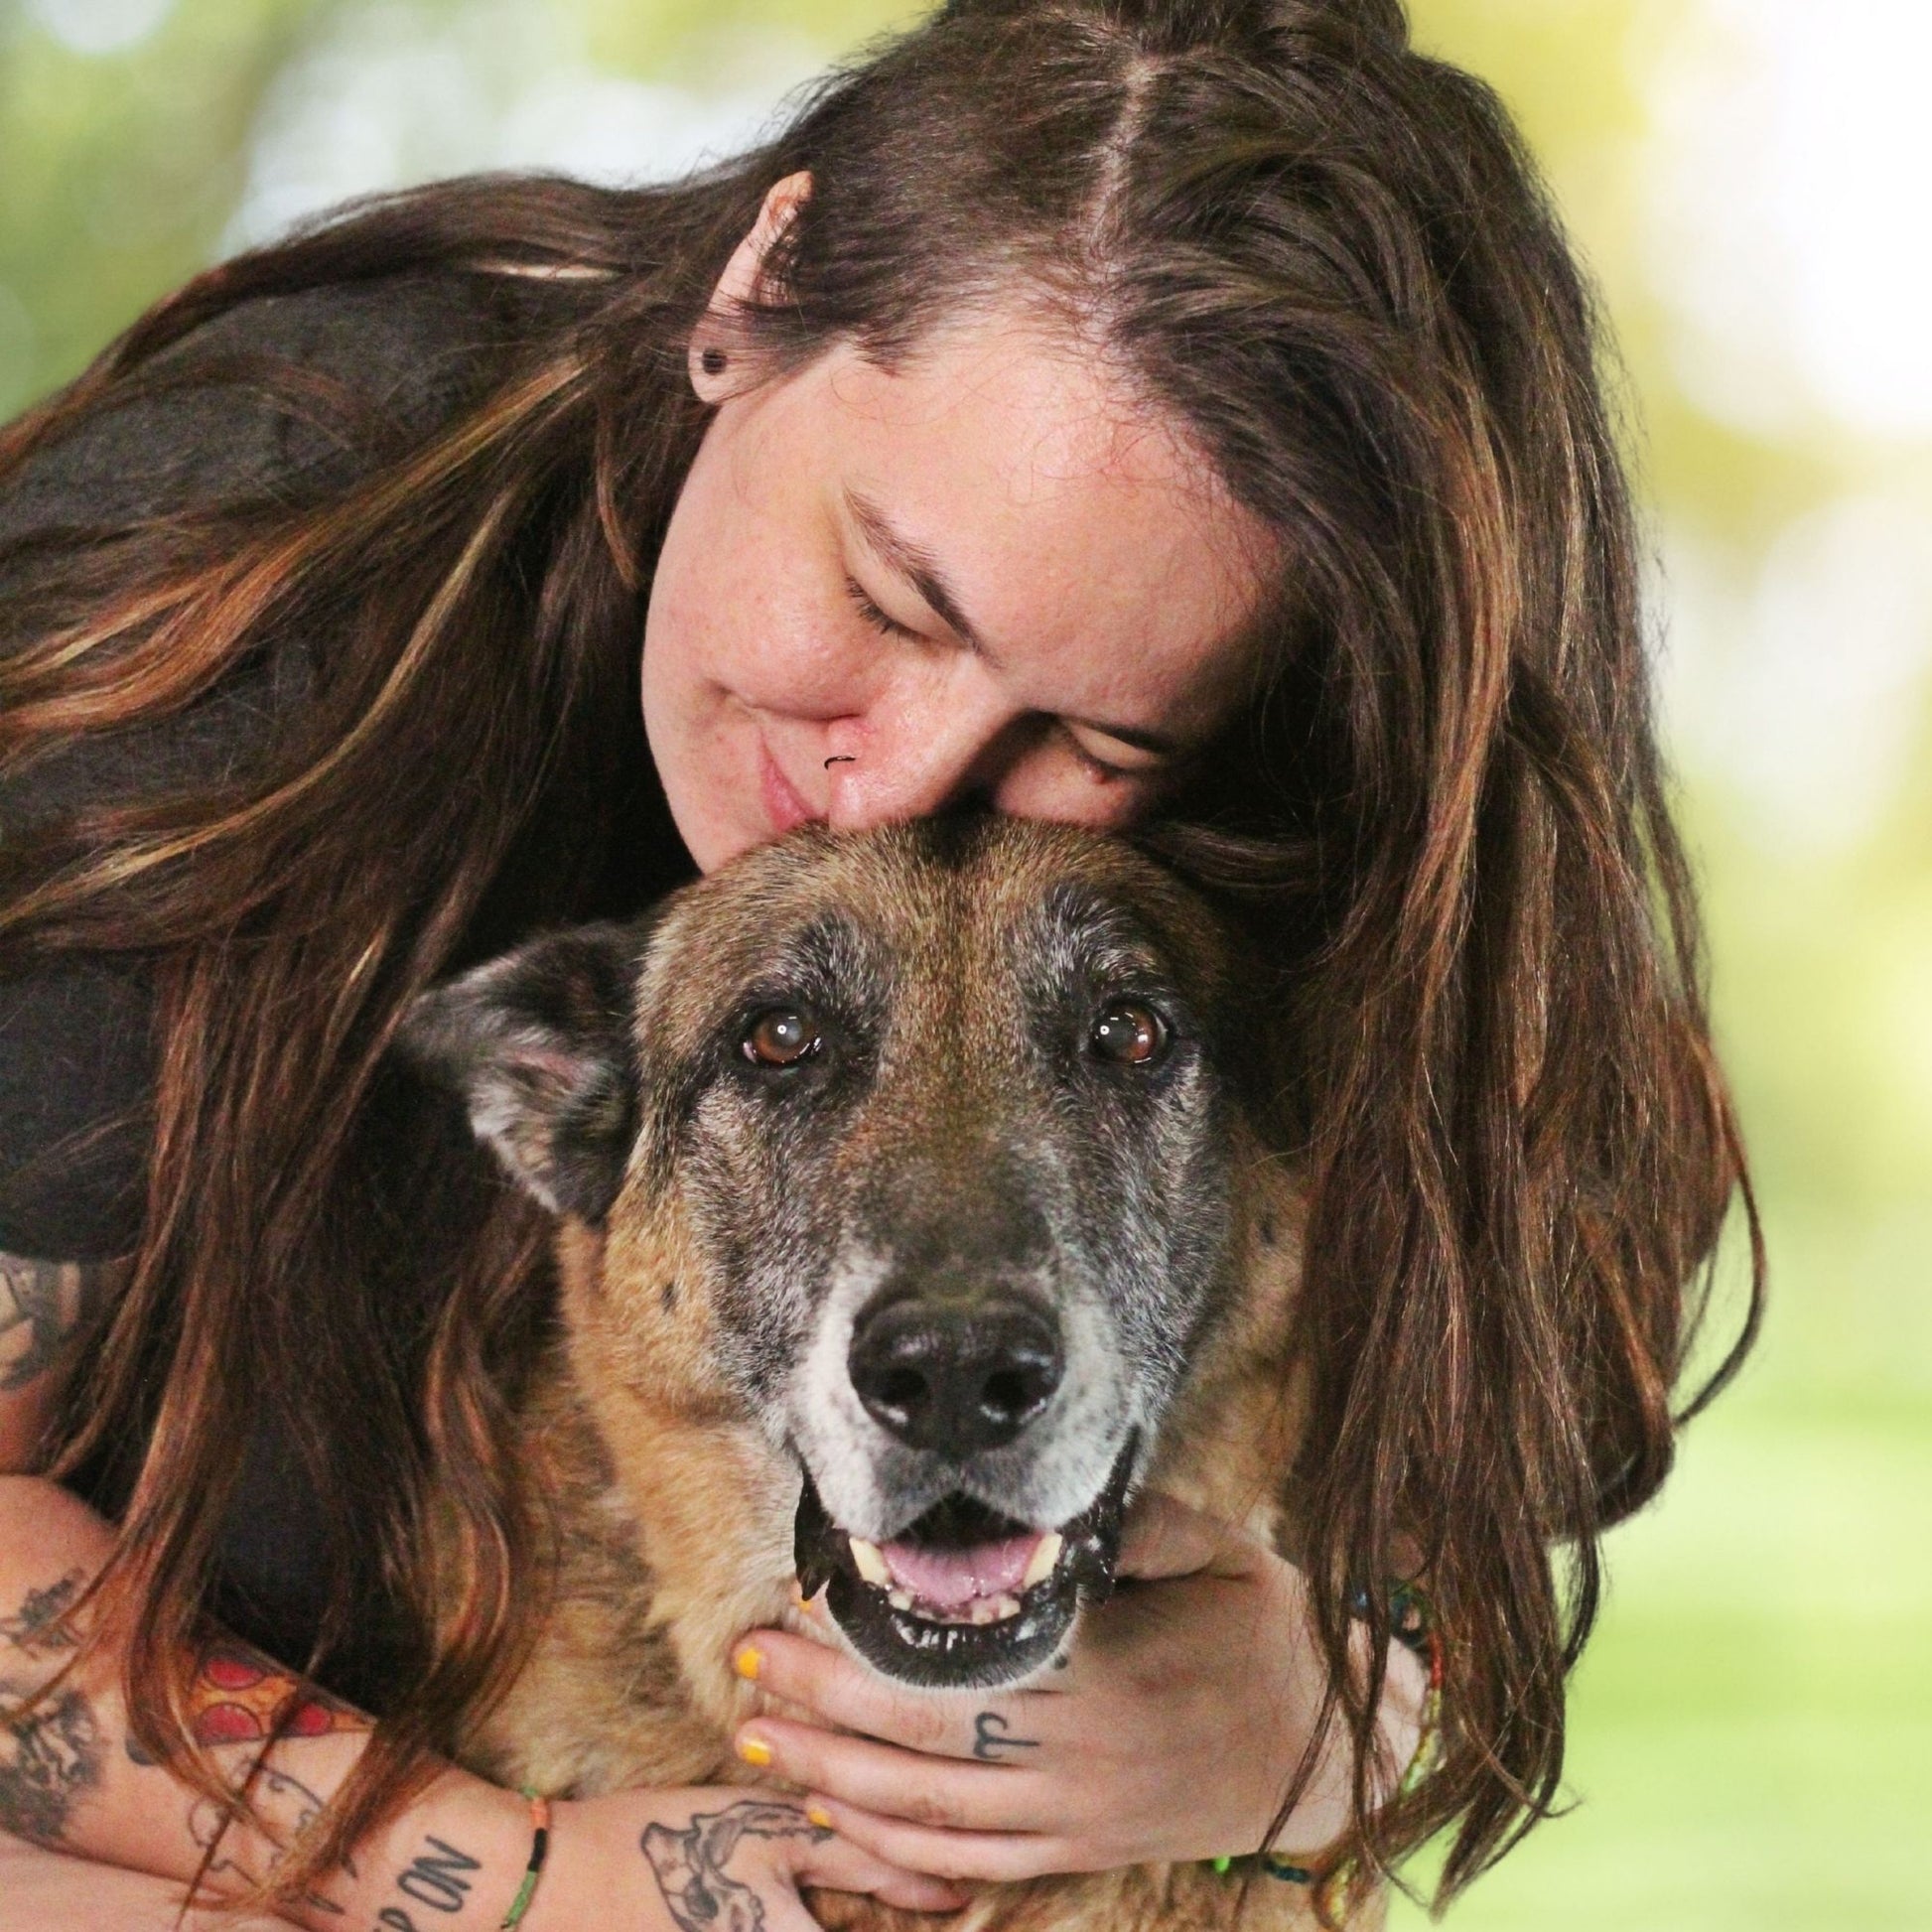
x=917, y=1205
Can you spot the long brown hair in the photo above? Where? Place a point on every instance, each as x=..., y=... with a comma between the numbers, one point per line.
x=1443, y=812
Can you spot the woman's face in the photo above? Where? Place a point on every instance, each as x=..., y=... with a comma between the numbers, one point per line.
x=990, y=572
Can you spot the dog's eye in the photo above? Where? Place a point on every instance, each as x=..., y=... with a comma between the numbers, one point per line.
x=781, y=1038
x=1130, y=1035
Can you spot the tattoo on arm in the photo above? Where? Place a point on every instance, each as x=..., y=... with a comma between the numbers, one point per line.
x=437, y=1879
x=992, y=1735
x=43, y=1305
x=209, y=1825
x=50, y=1758
x=41, y=1625
x=689, y=1866
x=51, y=1743
x=240, y=1697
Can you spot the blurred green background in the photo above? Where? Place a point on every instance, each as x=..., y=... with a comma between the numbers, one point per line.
x=1747, y=180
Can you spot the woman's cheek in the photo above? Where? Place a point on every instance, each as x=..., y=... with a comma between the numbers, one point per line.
x=800, y=667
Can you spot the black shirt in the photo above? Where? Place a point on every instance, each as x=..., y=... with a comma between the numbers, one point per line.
x=76, y=1046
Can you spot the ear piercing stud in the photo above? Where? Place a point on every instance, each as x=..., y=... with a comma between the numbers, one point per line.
x=829, y=763
x=714, y=360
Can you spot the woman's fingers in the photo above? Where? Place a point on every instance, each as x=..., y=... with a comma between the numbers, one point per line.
x=1011, y=1729
x=842, y=1864
x=983, y=1858
x=882, y=1778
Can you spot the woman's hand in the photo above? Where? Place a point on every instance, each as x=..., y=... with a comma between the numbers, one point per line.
x=1173, y=1732
x=709, y=1856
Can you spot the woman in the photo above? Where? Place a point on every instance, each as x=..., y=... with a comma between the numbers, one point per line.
x=1163, y=415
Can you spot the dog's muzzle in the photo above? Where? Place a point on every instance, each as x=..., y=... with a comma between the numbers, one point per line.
x=963, y=1599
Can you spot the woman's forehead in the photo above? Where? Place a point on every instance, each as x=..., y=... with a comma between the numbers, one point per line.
x=1066, y=513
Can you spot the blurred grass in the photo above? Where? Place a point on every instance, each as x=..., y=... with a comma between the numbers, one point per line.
x=1752, y=1722
x=1748, y=1730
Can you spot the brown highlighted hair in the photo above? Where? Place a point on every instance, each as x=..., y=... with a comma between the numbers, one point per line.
x=1443, y=812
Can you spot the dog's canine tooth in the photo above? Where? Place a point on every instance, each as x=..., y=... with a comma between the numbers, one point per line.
x=1044, y=1557
x=871, y=1562
x=983, y=1610
x=899, y=1599
x=1005, y=1606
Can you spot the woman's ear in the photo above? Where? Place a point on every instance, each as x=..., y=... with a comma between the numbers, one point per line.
x=717, y=343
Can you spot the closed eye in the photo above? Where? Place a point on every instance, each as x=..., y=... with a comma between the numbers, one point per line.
x=1147, y=766
x=1095, y=767
x=887, y=626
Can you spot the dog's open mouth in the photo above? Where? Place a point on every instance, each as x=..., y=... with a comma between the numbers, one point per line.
x=962, y=1597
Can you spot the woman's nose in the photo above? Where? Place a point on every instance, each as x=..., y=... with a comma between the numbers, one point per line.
x=918, y=751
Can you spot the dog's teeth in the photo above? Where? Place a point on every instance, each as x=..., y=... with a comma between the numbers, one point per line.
x=983, y=1610
x=1005, y=1606
x=1044, y=1557
x=870, y=1562
x=899, y=1599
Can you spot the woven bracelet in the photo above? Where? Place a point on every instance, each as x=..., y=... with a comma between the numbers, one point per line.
x=540, y=1850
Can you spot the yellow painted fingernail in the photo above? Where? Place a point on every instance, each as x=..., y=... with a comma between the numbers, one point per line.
x=754, y=1750
x=819, y=1816
x=748, y=1662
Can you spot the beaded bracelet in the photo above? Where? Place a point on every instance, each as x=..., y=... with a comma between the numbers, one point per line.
x=540, y=1850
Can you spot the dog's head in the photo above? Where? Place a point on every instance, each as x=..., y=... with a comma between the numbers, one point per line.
x=937, y=1123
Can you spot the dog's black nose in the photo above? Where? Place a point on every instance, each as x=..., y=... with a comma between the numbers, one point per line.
x=955, y=1376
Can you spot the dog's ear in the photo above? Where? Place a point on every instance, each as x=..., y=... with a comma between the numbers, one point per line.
x=539, y=1045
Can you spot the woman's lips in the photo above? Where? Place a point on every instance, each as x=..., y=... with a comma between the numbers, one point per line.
x=783, y=803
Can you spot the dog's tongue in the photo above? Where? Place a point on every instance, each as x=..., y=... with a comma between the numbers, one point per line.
x=951, y=1579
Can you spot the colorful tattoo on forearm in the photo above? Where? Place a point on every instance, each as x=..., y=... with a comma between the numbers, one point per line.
x=240, y=1698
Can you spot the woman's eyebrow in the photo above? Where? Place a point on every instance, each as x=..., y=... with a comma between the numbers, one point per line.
x=923, y=571
x=918, y=565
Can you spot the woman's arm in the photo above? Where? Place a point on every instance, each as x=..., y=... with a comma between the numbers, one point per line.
x=74, y=1781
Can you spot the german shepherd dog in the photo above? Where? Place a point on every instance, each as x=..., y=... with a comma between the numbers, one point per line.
x=916, y=1209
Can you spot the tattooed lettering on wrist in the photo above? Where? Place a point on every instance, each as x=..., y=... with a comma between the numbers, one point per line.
x=50, y=1758
x=689, y=1866
x=993, y=1734
x=41, y=1625
x=436, y=1879
x=43, y=1305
